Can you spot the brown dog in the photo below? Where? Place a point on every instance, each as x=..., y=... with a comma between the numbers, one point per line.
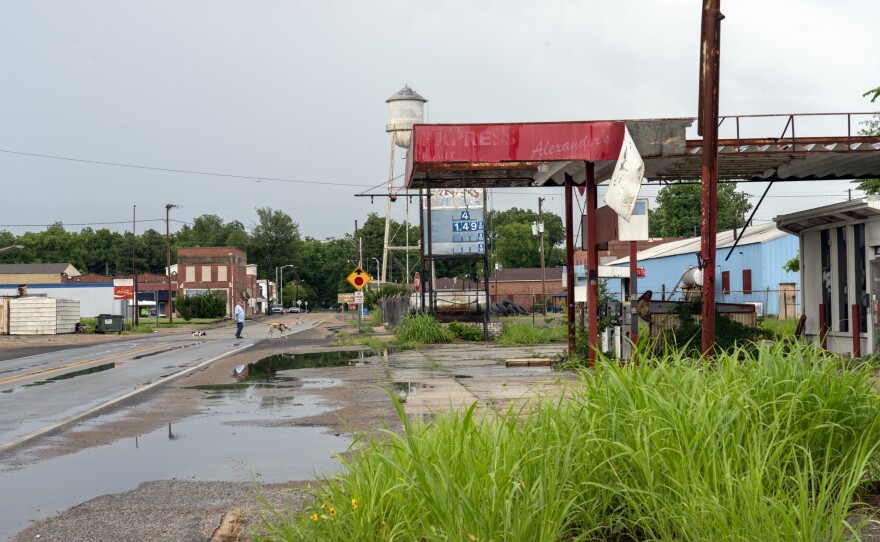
x=282, y=328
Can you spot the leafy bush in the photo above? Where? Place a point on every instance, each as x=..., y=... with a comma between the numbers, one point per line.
x=203, y=305
x=729, y=334
x=755, y=446
x=466, y=332
x=778, y=329
x=421, y=328
x=373, y=295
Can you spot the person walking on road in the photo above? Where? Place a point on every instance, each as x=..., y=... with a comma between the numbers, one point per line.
x=239, y=320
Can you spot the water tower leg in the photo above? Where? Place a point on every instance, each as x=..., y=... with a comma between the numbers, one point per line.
x=388, y=213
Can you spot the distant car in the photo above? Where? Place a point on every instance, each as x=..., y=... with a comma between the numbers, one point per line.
x=294, y=310
x=277, y=309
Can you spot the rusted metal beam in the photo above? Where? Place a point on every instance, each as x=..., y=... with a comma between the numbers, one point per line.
x=592, y=270
x=856, y=332
x=633, y=297
x=709, y=68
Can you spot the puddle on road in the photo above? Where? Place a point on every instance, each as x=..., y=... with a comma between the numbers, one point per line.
x=405, y=389
x=265, y=370
x=241, y=430
x=65, y=376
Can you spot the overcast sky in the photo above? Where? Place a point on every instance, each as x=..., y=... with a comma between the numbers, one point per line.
x=296, y=91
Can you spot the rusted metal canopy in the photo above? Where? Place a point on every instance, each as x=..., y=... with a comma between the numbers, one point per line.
x=857, y=209
x=490, y=155
x=494, y=155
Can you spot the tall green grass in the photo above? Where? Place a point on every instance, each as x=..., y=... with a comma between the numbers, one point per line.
x=763, y=446
x=421, y=328
x=521, y=333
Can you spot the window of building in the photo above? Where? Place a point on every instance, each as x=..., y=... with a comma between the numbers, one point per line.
x=206, y=273
x=861, y=285
x=190, y=273
x=842, y=281
x=825, y=262
x=725, y=282
x=221, y=274
x=747, y=281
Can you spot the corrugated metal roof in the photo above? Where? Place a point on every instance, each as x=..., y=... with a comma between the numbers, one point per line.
x=753, y=234
x=34, y=268
x=857, y=209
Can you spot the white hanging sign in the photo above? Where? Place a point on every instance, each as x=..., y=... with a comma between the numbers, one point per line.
x=626, y=179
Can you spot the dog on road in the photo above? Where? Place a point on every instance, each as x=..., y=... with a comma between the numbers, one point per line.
x=281, y=327
x=199, y=334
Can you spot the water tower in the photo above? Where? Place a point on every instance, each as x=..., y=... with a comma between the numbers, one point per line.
x=405, y=108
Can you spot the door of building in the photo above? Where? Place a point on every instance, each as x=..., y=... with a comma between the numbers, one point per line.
x=788, y=300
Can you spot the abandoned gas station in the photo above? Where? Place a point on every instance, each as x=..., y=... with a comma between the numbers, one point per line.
x=581, y=155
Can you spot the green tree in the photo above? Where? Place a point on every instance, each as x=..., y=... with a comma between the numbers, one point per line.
x=677, y=213
x=101, y=256
x=274, y=241
x=518, y=246
x=212, y=231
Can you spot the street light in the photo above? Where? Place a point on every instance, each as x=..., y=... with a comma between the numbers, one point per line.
x=169, y=304
x=281, y=290
x=377, y=270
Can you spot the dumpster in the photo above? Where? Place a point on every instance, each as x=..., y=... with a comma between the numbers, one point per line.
x=111, y=323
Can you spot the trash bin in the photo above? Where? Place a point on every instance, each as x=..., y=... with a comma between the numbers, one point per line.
x=111, y=323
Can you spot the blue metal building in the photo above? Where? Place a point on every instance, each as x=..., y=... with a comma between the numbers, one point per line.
x=752, y=274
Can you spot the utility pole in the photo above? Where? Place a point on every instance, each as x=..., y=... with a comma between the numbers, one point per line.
x=543, y=270
x=710, y=53
x=268, y=295
x=134, y=280
x=169, y=304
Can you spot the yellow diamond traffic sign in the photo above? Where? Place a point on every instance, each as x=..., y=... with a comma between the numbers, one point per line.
x=358, y=278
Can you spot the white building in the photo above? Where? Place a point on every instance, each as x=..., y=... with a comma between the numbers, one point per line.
x=840, y=273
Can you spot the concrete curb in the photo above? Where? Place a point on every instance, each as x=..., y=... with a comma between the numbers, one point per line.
x=51, y=427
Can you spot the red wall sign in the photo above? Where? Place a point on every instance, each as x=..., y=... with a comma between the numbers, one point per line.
x=591, y=141
x=123, y=292
x=640, y=272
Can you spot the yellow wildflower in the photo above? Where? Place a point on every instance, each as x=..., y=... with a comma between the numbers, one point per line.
x=314, y=517
x=324, y=506
x=354, y=504
x=332, y=511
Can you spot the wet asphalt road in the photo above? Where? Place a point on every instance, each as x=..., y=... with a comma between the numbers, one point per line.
x=39, y=392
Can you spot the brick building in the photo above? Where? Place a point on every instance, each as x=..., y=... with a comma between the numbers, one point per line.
x=520, y=285
x=219, y=269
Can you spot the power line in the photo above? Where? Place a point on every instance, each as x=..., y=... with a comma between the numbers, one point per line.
x=172, y=170
x=63, y=224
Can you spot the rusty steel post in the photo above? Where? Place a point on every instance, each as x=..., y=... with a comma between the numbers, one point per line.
x=709, y=68
x=633, y=297
x=569, y=263
x=823, y=325
x=592, y=270
x=857, y=334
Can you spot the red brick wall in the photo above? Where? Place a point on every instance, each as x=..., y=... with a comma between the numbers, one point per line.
x=233, y=259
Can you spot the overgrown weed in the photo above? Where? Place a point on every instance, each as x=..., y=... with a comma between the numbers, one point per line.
x=759, y=444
